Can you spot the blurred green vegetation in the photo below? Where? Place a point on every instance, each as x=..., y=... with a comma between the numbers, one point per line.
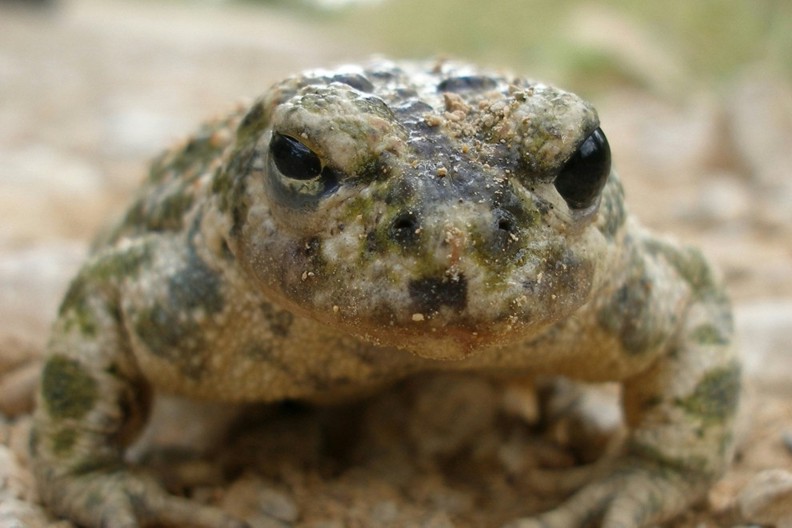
x=589, y=42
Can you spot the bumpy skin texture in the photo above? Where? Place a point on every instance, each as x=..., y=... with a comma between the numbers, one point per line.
x=419, y=225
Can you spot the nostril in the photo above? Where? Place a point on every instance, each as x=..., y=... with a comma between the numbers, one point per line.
x=505, y=232
x=405, y=228
x=505, y=224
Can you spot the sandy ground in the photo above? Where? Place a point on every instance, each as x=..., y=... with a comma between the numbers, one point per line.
x=91, y=90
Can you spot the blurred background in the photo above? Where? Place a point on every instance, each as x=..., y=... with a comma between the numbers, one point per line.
x=696, y=99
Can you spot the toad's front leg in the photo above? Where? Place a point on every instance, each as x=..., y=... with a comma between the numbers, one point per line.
x=92, y=402
x=680, y=412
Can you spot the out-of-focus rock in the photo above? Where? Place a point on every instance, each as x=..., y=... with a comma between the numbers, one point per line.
x=33, y=280
x=760, y=122
x=17, y=389
x=451, y=413
x=767, y=499
x=261, y=506
x=765, y=332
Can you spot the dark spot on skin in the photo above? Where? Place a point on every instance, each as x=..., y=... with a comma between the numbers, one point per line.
x=280, y=321
x=170, y=330
x=222, y=184
x=178, y=340
x=259, y=352
x=691, y=265
x=466, y=83
x=374, y=170
x=68, y=389
x=626, y=313
x=171, y=212
x=95, y=464
x=63, y=441
x=430, y=294
x=241, y=166
x=252, y=120
x=196, y=285
x=716, y=396
x=625, y=316
x=238, y=217
x=564, y=273
x=399, y=192
x=612, y=208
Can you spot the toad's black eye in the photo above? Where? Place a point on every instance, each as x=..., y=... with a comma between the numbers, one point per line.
x=584, y=175
x=293, y=159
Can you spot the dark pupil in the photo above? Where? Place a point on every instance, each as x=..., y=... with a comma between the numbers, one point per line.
x=584, y=175
x=293, y=159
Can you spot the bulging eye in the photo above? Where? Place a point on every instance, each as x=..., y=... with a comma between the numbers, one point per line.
x=293, y=159
x=296, y=177
x=582, y=178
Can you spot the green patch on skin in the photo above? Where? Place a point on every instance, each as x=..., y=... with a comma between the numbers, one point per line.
x=89, y=465
x=491, y=247
x=222, y=185
x=203, y=148
x=69, y=391
x=693, y=467
x=692, y=266
x=195, y=286
x=178, y=340
x=612, y=208
x=231, y=185
x=715, y=398
x=75, y=303
x=160, y=213
x=253, y=123
x=63, y=441
x=172, y=211
x=626, y=315
x=119, y=264
x=709, y=334
x=76, y=308
x=372, y=169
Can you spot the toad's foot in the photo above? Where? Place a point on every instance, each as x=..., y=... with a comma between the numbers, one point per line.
x=123, y=499
x=632, y=496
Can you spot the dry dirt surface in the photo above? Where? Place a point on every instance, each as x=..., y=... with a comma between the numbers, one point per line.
x=90, y=90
